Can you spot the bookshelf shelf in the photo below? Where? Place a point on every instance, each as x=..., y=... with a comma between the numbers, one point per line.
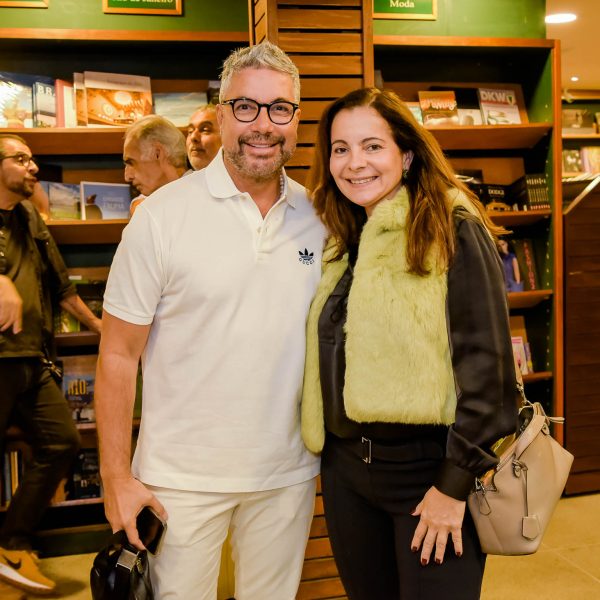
x=537, y=376
x=581, y=136
x=87, y=232
x=528, y=299
x=519, y=217
x=487, y=137
x=80, y=502
x=76, y=339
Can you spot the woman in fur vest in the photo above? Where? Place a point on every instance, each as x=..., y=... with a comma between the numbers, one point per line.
x=404, y=419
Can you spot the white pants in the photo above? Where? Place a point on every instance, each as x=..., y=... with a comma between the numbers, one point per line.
x=269, y=531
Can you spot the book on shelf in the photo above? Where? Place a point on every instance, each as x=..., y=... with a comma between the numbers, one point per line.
x=467, y=102
x=513, y=279
x=105, y=200
x=64, y=200
x=590, y=159
x=79, y=374
x=439, y=108
x=531, y=192
x=66, y=110
x=213, y=90
x=65, y=322
x=80, y=99
x=518, y=329
x=520, y=356
x=415, y=109
x=116, y=98
x=499, y=106
x=178, y=107
x=16, y=106
x=84, y=481
x=90, y=283
x=44, y=104
x=578, y=121
x=494, y=196
x=571, y=161
x=524, y=251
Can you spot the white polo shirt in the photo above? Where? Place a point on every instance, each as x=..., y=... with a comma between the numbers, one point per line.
x=227, y=293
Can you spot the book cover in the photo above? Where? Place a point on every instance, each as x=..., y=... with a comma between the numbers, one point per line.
x=571, y=161
x=498, y=106
x=16, y=94
x=513, y=281
x=469, y=116
x=66, y=111
x=590, y=158
x=519, y=352
x=80, y=99
x=79, y=374
x=65, y=322
x=115, y=98
x=178, y=107
x=105, y=200
x=577, y=121
x=415, y=109
x=467, y=103
x=65, y=201
x=85, y=476
x=212, y=92
x=439, y=108
x=527, y=264
x=44, y=104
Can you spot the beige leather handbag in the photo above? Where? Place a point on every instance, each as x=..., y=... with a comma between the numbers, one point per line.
x=512, y=504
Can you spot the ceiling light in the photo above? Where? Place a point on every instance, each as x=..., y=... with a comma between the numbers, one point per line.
x=574, y=78
x=561, y=18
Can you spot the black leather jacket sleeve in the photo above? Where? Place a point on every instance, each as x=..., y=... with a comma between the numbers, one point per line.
x=481, y=356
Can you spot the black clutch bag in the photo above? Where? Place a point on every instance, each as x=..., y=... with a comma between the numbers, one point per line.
x=120, y=572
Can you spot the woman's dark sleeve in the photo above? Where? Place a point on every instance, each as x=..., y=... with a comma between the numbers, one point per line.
x=482, y=358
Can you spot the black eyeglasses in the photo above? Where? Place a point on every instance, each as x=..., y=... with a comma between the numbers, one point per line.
x=22, y=159
x=281, y=112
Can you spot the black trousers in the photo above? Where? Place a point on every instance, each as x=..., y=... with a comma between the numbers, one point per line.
x=367, y=509
x=31, y=399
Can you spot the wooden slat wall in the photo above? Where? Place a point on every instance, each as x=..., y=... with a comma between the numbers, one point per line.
x=582, y=351
x=331, y=43
x=326, y=39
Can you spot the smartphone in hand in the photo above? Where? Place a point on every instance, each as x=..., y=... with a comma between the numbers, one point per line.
x=151, y=529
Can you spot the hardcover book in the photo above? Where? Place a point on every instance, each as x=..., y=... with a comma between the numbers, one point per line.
x=498, y=106
x=571, y=161
x=590, y=158
x=439, y=108
x=178, y=107
x=16, y=93
x=105, y=200
x=577, y=121
x=116, y=99
x=66, y=111
x=65, y=201
x=44, y=104
x=520, y=355
x=527, y=264
x=80, y=99
x=79, y=374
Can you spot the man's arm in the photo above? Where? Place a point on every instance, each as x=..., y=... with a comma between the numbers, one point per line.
x=121, y=346
x=11, y=306
x=76, y=307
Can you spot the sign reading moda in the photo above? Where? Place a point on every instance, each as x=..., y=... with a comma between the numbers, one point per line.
x=425, y=10
x=143, y=7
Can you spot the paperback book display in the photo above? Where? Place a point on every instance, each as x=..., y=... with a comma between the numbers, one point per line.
x=438, y=108
x=79, y=373
x=498, y=106
x=105, y=200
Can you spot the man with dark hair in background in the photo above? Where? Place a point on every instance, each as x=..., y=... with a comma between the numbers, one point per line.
x=33, y=278
x=203, y=137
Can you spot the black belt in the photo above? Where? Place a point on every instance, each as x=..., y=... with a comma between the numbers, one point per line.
x=369, y=450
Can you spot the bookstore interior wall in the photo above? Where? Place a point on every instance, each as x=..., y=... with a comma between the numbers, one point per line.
x=505, y=90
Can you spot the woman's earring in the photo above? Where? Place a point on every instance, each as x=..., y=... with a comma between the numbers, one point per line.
x=404, y=174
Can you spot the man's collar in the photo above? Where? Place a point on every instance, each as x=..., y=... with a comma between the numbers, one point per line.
x=220, y=184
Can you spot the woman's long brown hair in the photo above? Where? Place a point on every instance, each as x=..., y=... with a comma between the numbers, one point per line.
x=430, y=177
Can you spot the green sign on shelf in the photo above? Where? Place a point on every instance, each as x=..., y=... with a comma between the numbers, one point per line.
x=143, y=7
x=405, y=9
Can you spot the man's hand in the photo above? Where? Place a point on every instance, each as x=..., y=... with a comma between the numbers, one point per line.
x=441, y=516
x=11, y=306
x=124, y=498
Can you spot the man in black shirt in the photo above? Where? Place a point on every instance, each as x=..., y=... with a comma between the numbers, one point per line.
x=33, y=278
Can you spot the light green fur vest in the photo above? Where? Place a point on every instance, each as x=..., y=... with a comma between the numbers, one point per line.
x=398, y=366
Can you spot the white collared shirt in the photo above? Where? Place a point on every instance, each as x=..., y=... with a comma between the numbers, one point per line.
x=227, y=293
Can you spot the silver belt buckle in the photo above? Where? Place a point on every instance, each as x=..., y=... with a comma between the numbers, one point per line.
x=366, y=449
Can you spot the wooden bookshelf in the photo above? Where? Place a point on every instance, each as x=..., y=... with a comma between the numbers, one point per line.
x=537, y=376
x=76, y=339
x=87, y=232
x=528, y=299
x=512, y=218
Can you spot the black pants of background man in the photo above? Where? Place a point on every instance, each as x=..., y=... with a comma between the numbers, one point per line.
x=31, y=399
x=367, y=509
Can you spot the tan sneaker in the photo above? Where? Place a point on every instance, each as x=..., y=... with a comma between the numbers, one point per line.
x=8, y=592
x=20, y=568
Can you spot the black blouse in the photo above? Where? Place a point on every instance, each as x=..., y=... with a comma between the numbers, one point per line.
x=481, y=357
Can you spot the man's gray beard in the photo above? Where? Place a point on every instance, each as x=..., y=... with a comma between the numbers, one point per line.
x=265, y=172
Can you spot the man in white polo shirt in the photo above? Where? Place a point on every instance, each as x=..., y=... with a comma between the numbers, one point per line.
x=211, y=286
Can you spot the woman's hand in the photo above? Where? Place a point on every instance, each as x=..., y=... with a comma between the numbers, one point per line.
x=441, y=516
